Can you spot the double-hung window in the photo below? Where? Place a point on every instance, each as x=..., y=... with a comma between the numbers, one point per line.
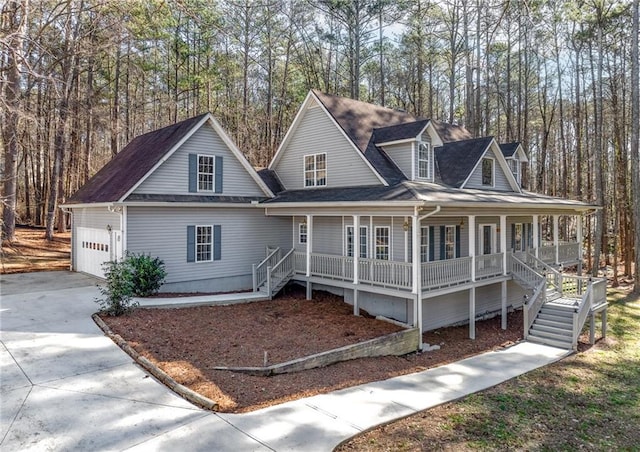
x=487, y=171
x=449, y=242
x=425, y=161
x=424, y=244
x=518, y=237
x=204, y=243
x=362, y=242
x=302, y=233
x=315, y=170
x=382, y=242
x=205, y=172
x=514, y=165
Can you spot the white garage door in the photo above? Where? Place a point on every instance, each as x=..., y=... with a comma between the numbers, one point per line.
x=96, y=246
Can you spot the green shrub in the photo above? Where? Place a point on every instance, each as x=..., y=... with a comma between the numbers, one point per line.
x=148, y=274
x=137, y=275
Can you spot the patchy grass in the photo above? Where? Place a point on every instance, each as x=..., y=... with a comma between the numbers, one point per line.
x=590, y=400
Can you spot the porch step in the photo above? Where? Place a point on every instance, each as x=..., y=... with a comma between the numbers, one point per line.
x=566, y=345
x=560, y=333
x=556, y=323
x=552, y=295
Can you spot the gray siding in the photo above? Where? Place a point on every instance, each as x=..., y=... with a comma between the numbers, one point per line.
x=500, y=183
x=95, y=217
x=172, y=177
x=453, y=308
x=162, y=232
x=401, y=156
x=317, y=134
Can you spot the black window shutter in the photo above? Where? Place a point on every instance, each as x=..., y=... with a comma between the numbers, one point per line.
x=193, y=173
x=432, y=243
x=442, y=238
x=218, y=176
x=217, y=242
x=457, y=241
x=530, y=235
x=191, y=243
x=513, y=237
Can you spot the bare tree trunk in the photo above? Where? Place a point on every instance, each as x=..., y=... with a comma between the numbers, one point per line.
x=17, y=13
x=635, y=142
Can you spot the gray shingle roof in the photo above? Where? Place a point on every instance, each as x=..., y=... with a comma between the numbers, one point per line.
x=508, y=149
x=456, y=160
x=118, y=176
x=399, y=131
x=270, y=178
x=205, y=199
x=398, y=192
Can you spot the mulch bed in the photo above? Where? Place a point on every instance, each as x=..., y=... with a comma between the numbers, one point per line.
x=187, y=343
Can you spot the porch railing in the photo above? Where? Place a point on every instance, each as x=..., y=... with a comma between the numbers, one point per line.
x=547, y=254
x=489, y=266
x=332, y=266
x=445, y=273
x=386, y=273
x=259, y=271
x=533, y=305
x=524, y=273
x=281, y=272
x=569, y=252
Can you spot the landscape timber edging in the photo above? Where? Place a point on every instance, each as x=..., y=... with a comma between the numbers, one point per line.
x=162, y=376
x=394, y=344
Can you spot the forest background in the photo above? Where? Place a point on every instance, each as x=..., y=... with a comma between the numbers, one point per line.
x=81, y=78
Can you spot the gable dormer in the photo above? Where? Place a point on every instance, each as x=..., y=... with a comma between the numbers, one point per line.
x=515, y=156
x=411, y=147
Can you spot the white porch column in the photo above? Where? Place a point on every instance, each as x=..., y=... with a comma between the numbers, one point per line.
x=472, y=313
x=503, y=312
x=472, y=245
x=417, y=274
x=503, y=242
x=536, y=238
x=309, y=250
x=556, y=221
x=579, y=239
x=356, y=262
x=472, y=291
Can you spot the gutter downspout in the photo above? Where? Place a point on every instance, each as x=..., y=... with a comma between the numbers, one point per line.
x=417, y=267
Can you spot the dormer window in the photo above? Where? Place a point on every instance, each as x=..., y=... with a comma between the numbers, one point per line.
x=425, y=161
x=487, y=172
x=514, y=166
x=315, y=170
x=205, y=172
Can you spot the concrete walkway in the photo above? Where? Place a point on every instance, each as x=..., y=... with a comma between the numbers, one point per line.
x=65, y=386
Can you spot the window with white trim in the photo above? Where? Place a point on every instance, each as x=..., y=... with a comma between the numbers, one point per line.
x=518, y=239
x=487, y=171
x=425, y=161
x=424, y=244
x=362, y=241
x=204, y=243
x=315, y=170
x=383, y=240
x=302, y=233
x=514, y=166
x=449, y=242
x=205, y=172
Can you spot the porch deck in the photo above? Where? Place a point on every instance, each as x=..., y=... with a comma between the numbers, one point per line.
x=434, y=276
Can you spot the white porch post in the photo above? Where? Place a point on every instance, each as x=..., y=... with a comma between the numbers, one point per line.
x=472, y=291
x=503, y=242
x=556, y=220
x=356, y=262
x=472, y=313
x=536, y=238
x=309, y=250
x=579, y=239
x=503, y=312
x=472, y=245
x=417, y=274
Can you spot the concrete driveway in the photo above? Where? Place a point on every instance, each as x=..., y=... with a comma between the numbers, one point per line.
x=65, y=386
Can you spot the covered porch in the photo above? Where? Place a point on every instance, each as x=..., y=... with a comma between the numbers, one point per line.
x=416, y=253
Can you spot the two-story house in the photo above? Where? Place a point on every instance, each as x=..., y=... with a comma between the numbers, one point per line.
x=407, y=218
